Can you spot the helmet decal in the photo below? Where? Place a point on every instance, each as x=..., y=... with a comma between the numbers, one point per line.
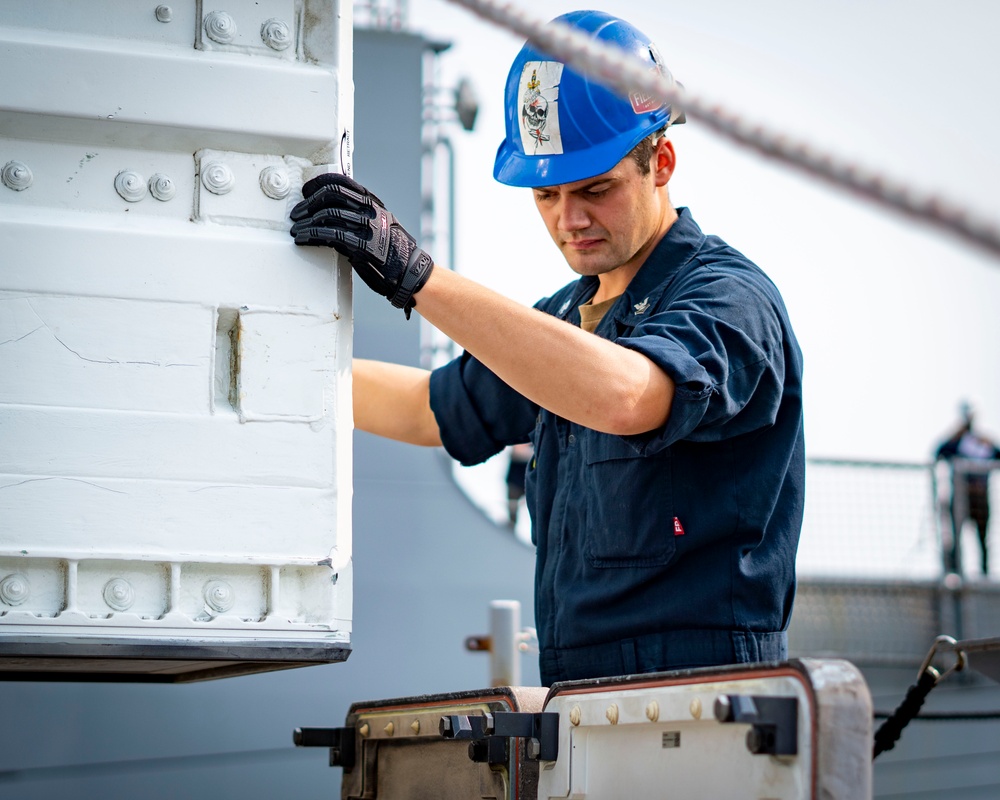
x=561, y=125
x=539, y=91
x=644, y=103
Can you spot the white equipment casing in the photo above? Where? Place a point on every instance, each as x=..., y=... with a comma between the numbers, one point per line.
x=175, y=411
x=660, y=736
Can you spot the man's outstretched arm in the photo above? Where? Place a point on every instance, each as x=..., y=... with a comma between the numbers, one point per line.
x=572, y=373
x=393, y=401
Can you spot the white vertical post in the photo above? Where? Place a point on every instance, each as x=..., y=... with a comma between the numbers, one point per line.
x=505, y=661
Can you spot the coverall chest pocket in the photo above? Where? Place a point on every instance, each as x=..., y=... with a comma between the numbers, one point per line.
x=629, y=505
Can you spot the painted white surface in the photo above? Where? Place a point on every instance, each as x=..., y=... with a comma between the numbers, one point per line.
x=174, y=373
x=634, y=741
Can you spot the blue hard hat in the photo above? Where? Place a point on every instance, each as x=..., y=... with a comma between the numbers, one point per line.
x=564, y=127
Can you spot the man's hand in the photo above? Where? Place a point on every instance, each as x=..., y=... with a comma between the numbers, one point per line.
x=341, y=213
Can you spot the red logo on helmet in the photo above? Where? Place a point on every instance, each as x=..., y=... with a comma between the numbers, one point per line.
x=644, y=103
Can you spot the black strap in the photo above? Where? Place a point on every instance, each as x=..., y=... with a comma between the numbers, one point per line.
x=887, y=735
x=414, y=277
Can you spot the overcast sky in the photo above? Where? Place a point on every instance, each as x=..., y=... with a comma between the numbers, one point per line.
x=897, y=322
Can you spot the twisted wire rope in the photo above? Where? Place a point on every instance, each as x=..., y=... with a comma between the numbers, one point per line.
x=624, y=73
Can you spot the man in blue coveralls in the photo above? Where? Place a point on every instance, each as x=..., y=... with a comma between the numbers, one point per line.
x=661, y=390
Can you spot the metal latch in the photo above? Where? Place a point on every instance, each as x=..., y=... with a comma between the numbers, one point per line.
x=339, y=740
x=774, y=721
x=489, y=734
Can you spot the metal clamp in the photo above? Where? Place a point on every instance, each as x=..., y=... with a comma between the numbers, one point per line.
x=541, y=732
x=774, y=721
x=339, y=740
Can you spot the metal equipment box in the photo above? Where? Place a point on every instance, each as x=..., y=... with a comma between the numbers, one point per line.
x=394, y=749
x=175, y=411
x=800, y=730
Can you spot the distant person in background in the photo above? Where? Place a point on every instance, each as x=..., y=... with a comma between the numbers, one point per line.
x=520, y=455
x=970, y=495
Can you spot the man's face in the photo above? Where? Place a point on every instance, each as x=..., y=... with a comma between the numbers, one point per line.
x=607, y=221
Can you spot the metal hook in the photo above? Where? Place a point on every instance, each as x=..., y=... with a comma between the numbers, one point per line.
x=939, y=644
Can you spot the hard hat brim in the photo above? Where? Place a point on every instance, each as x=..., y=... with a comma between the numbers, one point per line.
x=513, y=168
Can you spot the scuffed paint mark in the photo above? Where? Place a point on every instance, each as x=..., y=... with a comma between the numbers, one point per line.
x=114, y=361
x=326, y=562
x=25, y=336
x=45, y=325
x=60, y=478
x=87, y=157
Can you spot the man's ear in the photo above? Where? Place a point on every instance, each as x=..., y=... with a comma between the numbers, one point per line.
x=664, y=161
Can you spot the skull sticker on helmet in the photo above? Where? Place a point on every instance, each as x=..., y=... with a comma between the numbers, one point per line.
x=539, y=92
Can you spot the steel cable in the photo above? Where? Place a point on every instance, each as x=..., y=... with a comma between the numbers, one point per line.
x=623, y=73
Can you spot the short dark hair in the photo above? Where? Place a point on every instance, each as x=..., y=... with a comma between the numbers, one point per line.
x=643, y=152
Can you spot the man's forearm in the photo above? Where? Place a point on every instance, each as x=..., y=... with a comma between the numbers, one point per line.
x=570, y=372
x=392, y=400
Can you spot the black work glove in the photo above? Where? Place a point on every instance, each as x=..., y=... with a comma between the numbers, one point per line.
x=341, y=213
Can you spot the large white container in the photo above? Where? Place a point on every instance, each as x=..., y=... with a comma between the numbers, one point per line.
x=175, y=419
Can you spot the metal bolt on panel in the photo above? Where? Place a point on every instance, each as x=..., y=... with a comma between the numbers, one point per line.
x=119, y=594
x=274, y=183
x=164, y=13
x=217, y=178
x=16, y=175
x=162, y=187
x=220, y=27
x=219, y=596
x=276, y=34
x=130, y=185
x=14, y=589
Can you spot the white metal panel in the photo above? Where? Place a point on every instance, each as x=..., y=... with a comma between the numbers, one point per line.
x=110, y=353
x=174, y=372
x=160, y=90
x=658, y=736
